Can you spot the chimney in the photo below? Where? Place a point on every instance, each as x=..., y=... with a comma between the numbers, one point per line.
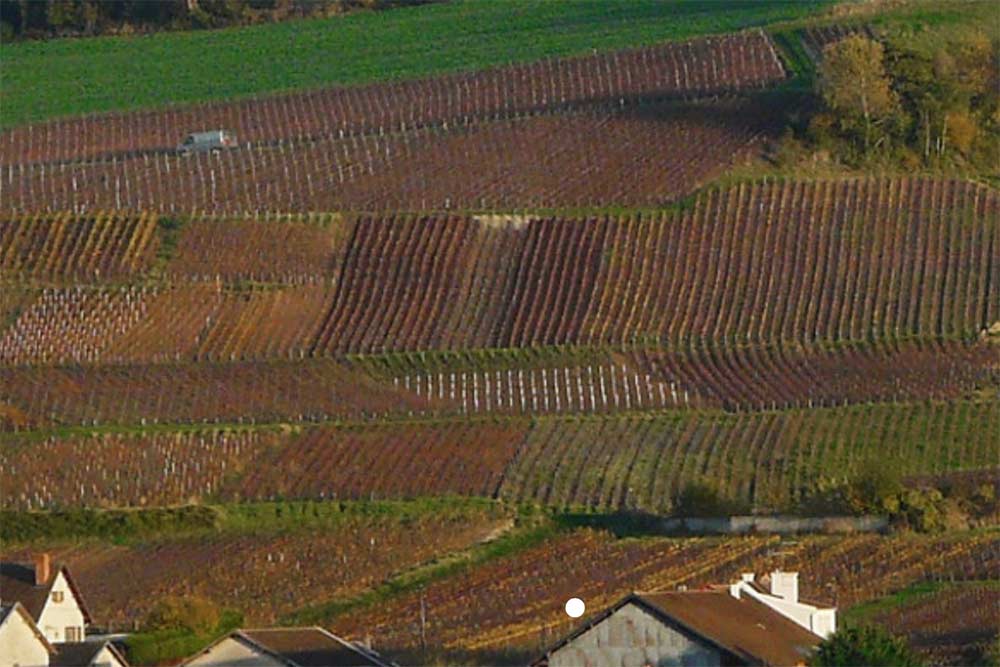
x=43, y=569
x=785, y=585
x=747, y=577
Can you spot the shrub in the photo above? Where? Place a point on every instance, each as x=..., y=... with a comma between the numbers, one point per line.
x=190, y=613
x=703, y=499
x=868, y=645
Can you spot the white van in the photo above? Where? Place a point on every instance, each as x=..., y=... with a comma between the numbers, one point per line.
x=216, y=140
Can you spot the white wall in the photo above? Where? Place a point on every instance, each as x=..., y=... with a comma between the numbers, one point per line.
x=821, y=622
x=231, y=653
x=19, y=645
x=57, y=616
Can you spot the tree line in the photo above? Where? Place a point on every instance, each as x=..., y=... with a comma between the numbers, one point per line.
x=43, y=19
x=897, y=101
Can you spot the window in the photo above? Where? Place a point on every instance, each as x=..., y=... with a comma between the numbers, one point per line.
x=73, y=634
x=57, y=596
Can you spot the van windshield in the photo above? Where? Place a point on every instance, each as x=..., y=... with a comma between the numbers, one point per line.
x=189, y=141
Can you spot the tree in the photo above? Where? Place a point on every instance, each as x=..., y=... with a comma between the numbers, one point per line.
x=192, y=613
x=854, y=84
x=868, y=645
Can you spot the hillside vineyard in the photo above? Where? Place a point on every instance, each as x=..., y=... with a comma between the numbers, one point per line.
x=606, y=462
x=624, y=155
x=881, y=259
x=695, y=68
x=420, y=355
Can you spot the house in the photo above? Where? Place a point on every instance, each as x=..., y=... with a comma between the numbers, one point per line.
x=742, y=624
x=50, y=597
x=21, y=643
x=286, y=647
x=87, y=654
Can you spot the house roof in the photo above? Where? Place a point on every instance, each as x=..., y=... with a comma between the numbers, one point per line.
x=744, y=628
x=305, y=647
x=7, y=610
x=17, y=583
x=311, y=647
x=82, y=654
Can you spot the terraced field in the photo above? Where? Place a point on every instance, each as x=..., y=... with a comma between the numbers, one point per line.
x=291, y=568
x=528, y=590
x=769, y=460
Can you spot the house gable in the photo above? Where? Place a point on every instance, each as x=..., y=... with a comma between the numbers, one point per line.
x=62, y=614
x=234, y=652
x=20, y=639
x=632, y=636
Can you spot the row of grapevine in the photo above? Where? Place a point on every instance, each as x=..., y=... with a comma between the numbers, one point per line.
x=71, y=325
x=760, y=377
x=238, y=330
x=101, y=246
x=645, y=155
x=277, y=573
x=118, y=469
x=770, y=460
x=955, y=625
x=297, y=250
x=387, y=461
x=245, y=392
x=153, y=324
x=705, y=66
x=600, y=388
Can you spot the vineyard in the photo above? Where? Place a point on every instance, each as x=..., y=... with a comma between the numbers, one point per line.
x=629, y=157
x=769, y=460
x=199, y=393
x=527, y=591
x=99, y=247
x=685, y=278
x=277, y=572
x=454, y=282
x=696, y=68
x=947, y=623
x=421, y=359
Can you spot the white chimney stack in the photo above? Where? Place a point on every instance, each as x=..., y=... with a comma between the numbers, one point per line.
x=785, y=585
x=747, y=577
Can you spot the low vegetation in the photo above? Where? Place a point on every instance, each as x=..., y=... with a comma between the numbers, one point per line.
x=171, y=68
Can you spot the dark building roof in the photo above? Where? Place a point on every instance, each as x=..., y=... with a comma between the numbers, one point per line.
x=749, y=631
x=306, y=647
x=17, y=584
x=81, y=654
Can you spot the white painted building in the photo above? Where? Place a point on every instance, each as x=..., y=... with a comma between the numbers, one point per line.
x=21, y=644
x=49, y=596
x=783, y=596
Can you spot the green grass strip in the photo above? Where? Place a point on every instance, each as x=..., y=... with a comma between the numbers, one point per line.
x=119, y=73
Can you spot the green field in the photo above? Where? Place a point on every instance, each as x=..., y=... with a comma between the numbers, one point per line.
x=117, y=73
